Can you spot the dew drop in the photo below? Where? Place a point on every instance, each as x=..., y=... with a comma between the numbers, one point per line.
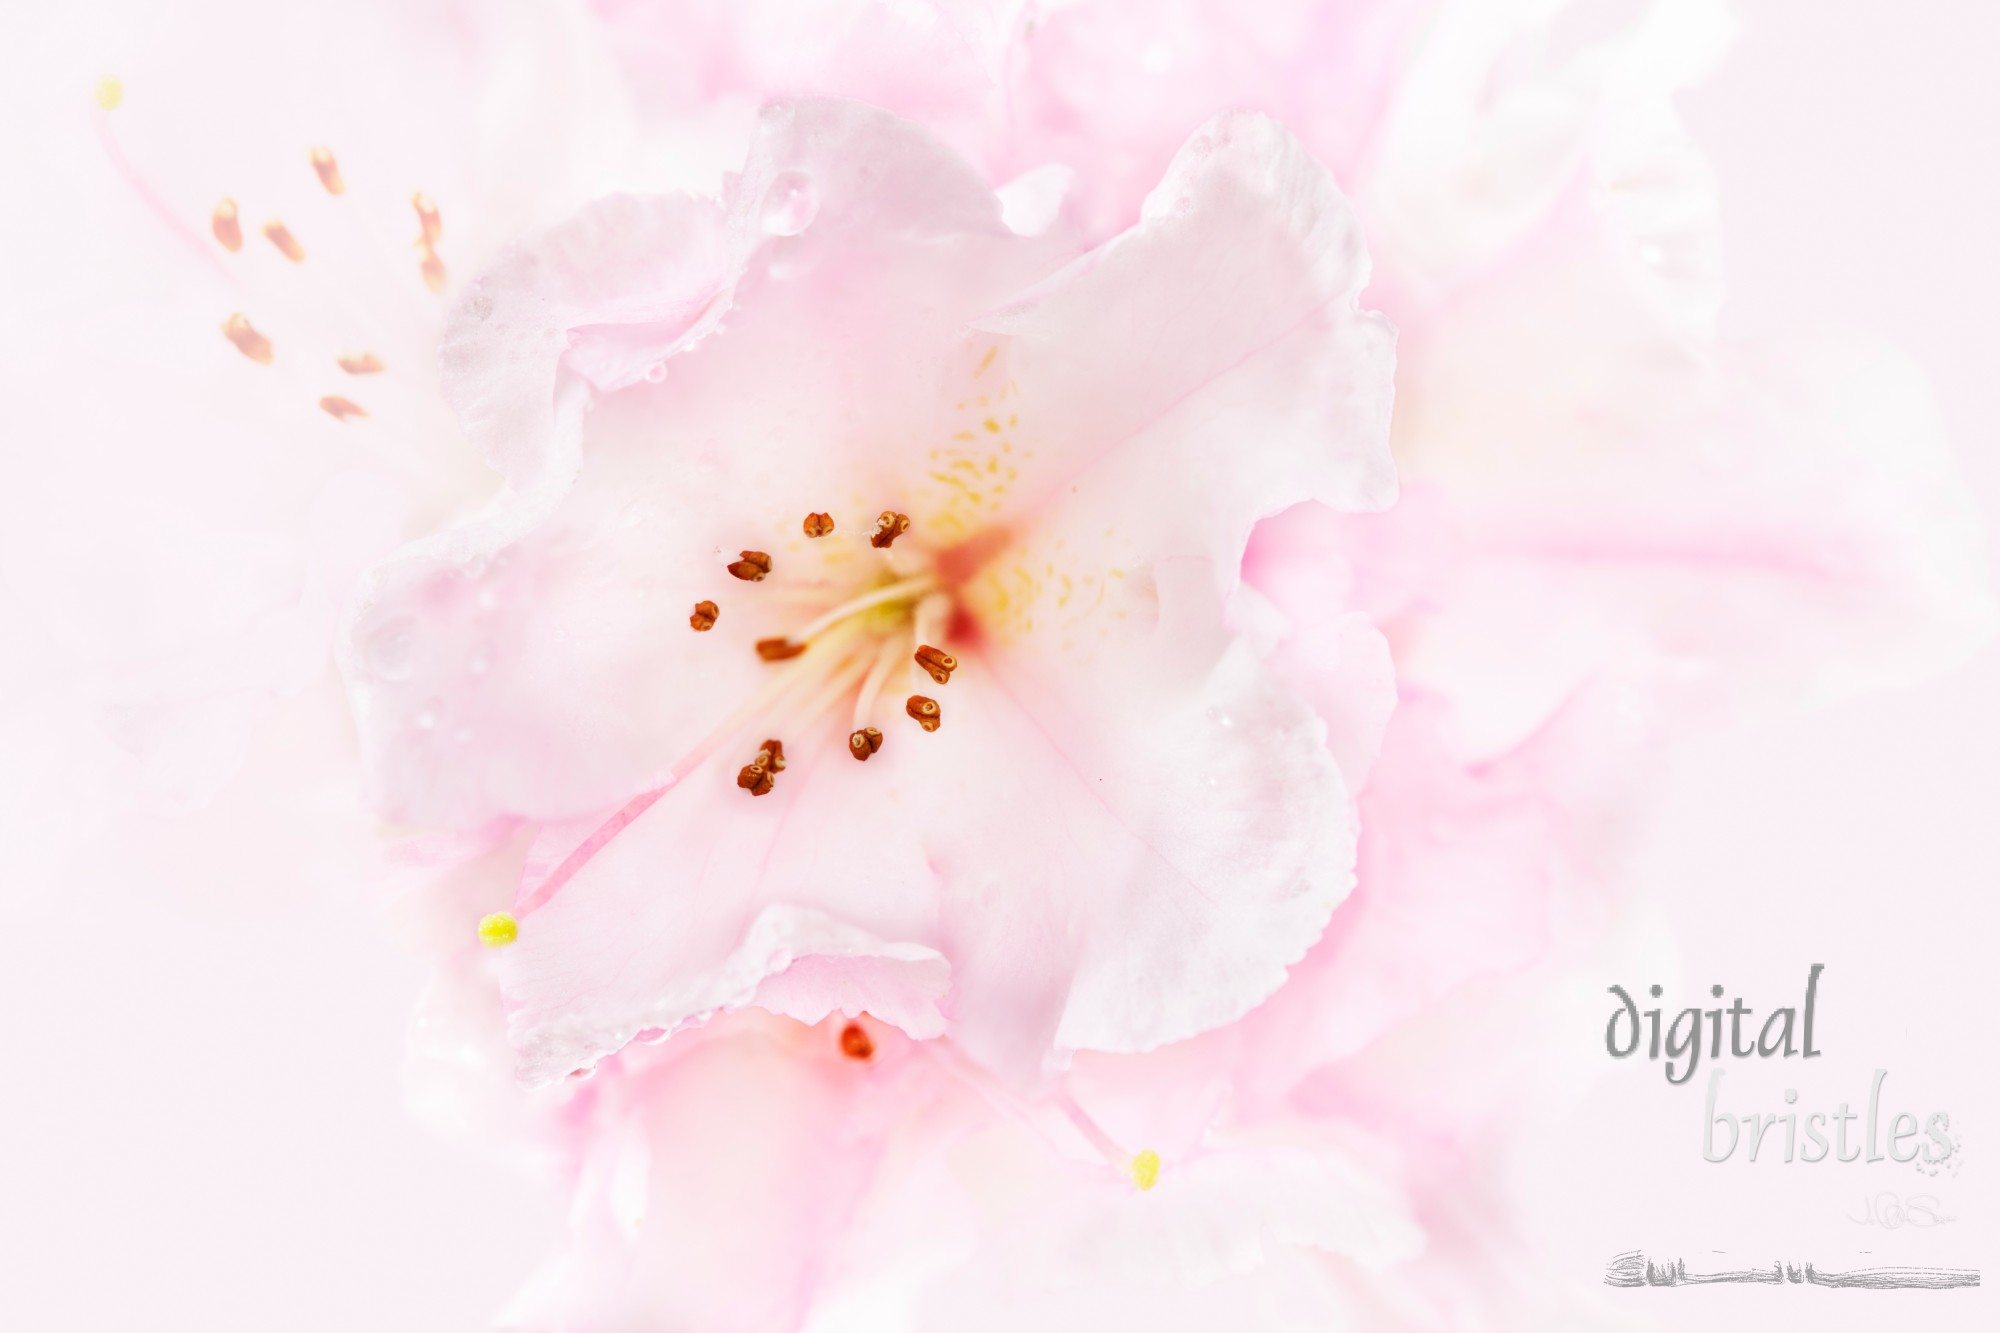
x=428, y=718
x=790, y=204
x=656, y=372
x=391, y=650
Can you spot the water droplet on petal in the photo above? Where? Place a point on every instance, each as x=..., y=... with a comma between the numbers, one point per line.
x=391, y=650
x=790, y=204
x=428, y=718
x=656, y=372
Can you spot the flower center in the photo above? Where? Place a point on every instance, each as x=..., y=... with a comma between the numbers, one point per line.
x=868, y=644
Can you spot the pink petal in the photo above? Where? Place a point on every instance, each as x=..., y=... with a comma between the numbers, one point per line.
x=1215, y=347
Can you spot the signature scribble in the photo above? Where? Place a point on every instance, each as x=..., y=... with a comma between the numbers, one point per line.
x=1633, y=1269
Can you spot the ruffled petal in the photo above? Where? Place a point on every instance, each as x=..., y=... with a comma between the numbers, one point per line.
x=1215, y=350
x=720, y=376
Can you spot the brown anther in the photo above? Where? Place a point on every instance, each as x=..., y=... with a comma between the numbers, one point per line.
x=704, y=616
x=939, y=663
x=340, y=409
x=278, y=234
x=925, y=711
x=364, y=364
x=427, y=218
x=752, y=567
x=864, y=743
x=224, y=224
x=887, y=528
x=778, y=649
x=430, y=266
x=818, y=525
x=855, y=1043
x=248, y=341
x=759, y=775
x=329, y=170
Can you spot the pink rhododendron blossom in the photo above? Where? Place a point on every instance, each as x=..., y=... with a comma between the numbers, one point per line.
x=1123, y=829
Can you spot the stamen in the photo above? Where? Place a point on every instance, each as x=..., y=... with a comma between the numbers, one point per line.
x=288, y=245
x=887, y=657
x=340, y=409
x=430, y=266
x=704, y=616
x=329, y=170
x=925, y=711
x=110, y=92
x=248, y=341
x=1142, y=1167
x=778, y=649
x=774, y=692
x=888, y=527
x=224, y=224
x=937, y=662
x=759, y=775
x=752, y=567
x=818, y=525
x=864, y=743
x=835, y=672
x=364, y=364
x=855, y=1043
x=892, y=592
x=498, y=929
x=428, y=219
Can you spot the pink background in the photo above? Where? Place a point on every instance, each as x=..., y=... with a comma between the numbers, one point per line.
x=174, y=1157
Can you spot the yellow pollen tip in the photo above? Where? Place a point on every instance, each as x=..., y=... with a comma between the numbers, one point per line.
x=110, y=92
x=500, y=929
x=1145, y=1169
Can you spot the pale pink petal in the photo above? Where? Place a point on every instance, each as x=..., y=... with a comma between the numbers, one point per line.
x=1328, y=649
x=1230, y=310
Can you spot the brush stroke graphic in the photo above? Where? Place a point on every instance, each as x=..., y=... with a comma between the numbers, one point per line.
x=1632, y=1269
